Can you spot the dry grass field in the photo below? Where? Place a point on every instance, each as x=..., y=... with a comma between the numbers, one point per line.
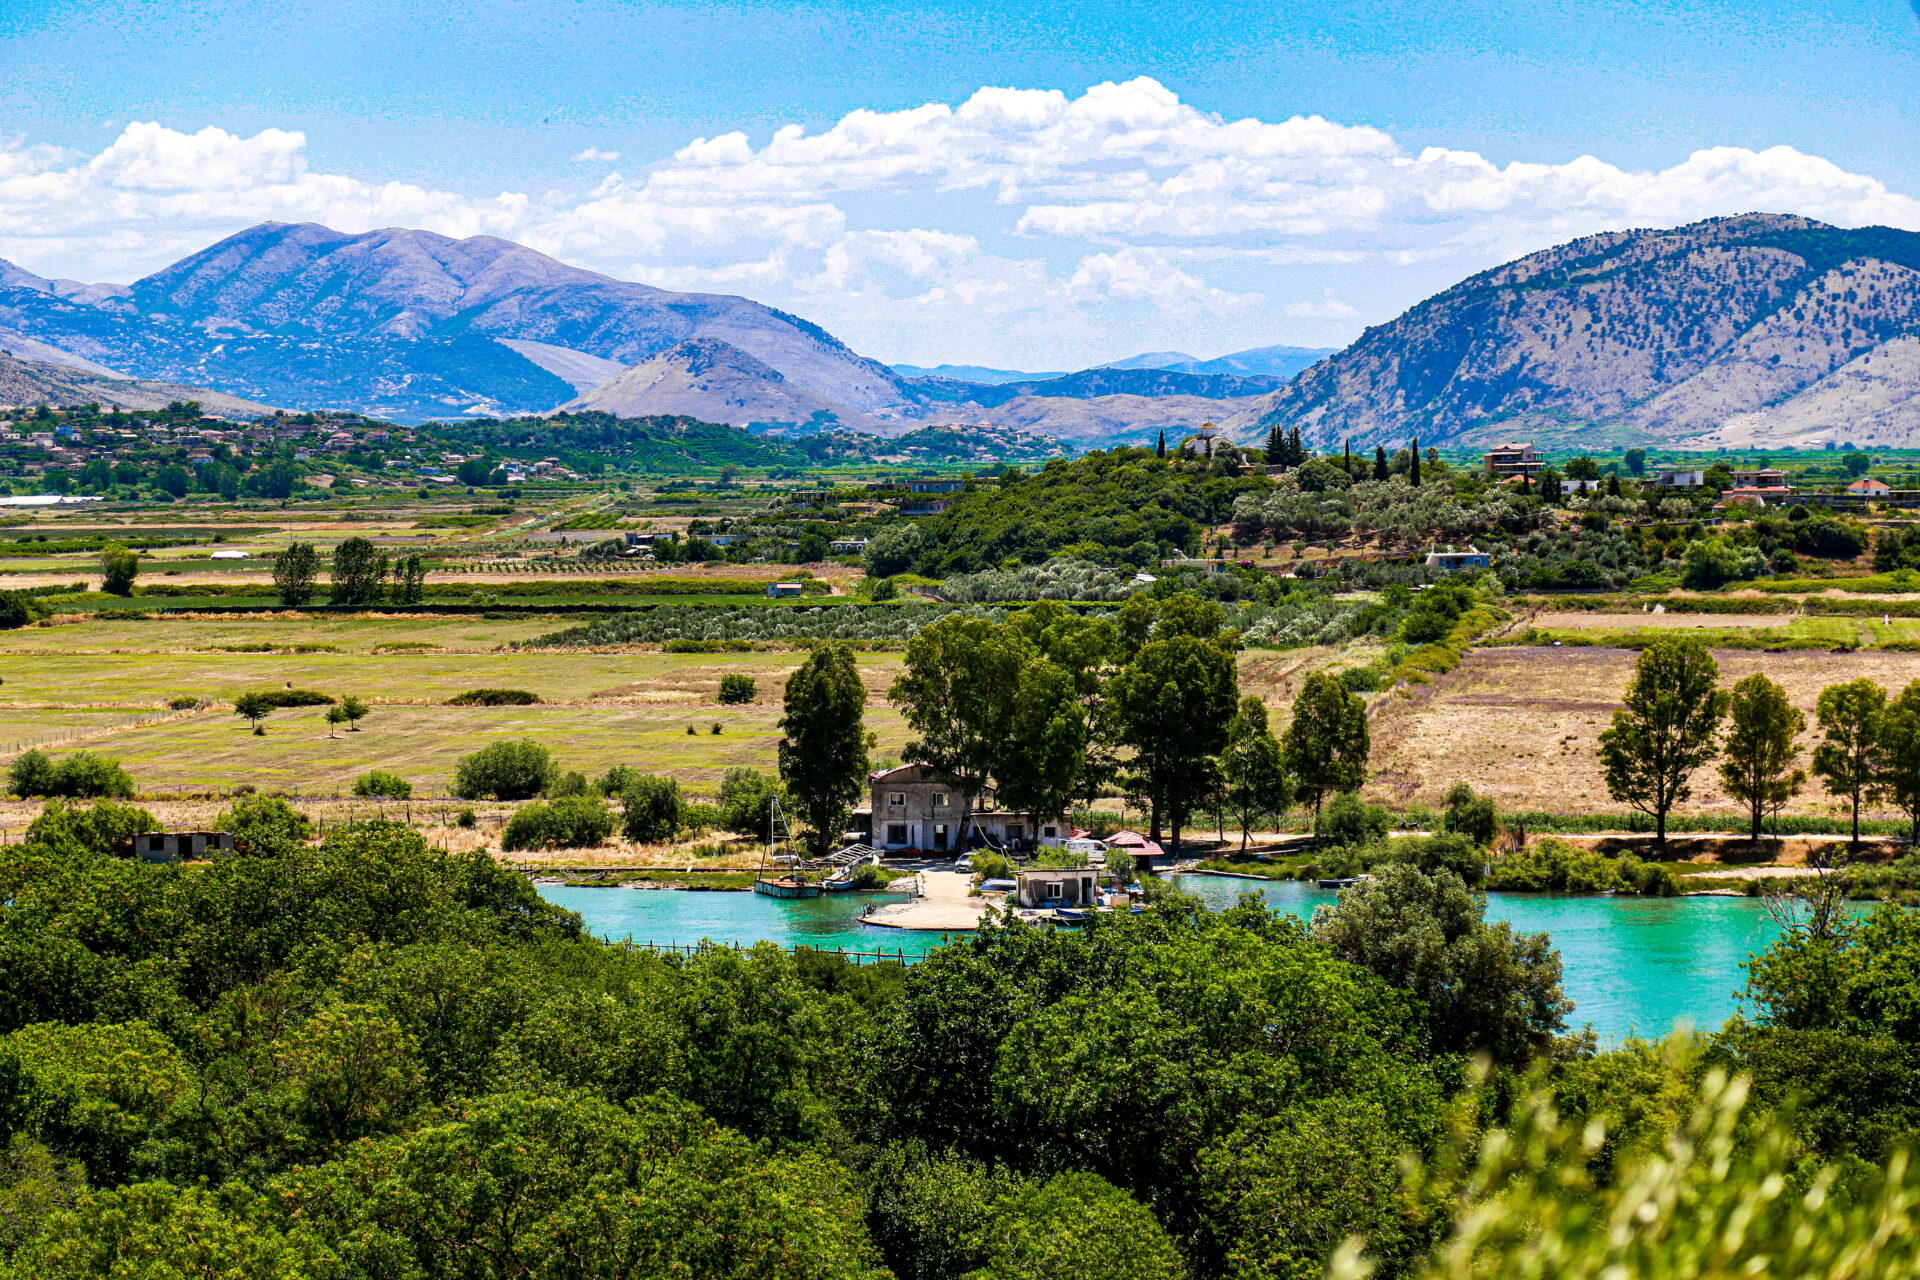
x=1522, y=724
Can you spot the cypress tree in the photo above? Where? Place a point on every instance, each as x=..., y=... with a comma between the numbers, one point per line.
x=1160, y=450
x=1413, y=474
x=1379, y=462
x=1296, y=452
x=1277, y=447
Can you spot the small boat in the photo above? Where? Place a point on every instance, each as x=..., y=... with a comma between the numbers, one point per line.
x=1343, y=882
x=787, y=887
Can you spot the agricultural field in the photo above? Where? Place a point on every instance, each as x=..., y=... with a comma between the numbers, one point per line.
x=1521, y=724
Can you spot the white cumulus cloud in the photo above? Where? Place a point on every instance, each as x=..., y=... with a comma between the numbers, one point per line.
x=1017, y=224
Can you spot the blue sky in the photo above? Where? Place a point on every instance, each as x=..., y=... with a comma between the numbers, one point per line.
x=1022, y=231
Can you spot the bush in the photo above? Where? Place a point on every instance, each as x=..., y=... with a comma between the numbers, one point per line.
x=1713, y=562
x=988, y=865
x=387, y=786
x=1822, y=535
x=746, y=800
x=571, y=822
x=82, y=775
x=1455, y=853
x=736, y=689
x=295, y=698
x=615, y=780
x=466, y=820
x=1349, y=822
x=104, y=828
x=493, y=698
x=1555, y=866
x=650, y=809
x=185, y=702
x=1361, y=679
x=505, y=771
x=1470, y=816
x=262, y=824
x=15, y=611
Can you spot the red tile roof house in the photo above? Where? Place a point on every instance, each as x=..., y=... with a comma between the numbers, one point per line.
x=1867, y=484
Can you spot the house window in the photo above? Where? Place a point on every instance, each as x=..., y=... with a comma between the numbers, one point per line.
x=1055, y=891
x=1050, y=832
x=939, y=799
x=896, y=799
x=939, y=835
x=1015, y=831
x=897, y=833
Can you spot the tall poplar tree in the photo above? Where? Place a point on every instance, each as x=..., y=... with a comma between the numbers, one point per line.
x=1849, y=716
x=1896, y=761
x=1758, y=769
x=823, y=756
x=1327, y=744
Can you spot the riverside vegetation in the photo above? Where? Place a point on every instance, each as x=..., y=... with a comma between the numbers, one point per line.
x=366, y=1057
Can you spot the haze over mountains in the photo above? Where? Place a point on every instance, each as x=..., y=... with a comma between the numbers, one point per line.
x=1750, y=330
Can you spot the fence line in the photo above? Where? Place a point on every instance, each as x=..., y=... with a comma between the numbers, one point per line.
x=896, y=956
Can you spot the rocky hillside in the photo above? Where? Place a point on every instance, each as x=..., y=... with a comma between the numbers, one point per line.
x=1760, y=327
x=25, y=382
x=715, y=381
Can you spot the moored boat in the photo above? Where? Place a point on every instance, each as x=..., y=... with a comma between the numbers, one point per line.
x=787, y=887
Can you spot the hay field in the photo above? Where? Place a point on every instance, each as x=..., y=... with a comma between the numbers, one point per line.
x=1522, y=724
x=85, y=684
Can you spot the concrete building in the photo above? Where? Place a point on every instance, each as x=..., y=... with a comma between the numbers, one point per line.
x=1043, y=888
x=1451, y=561
x=1515, y=458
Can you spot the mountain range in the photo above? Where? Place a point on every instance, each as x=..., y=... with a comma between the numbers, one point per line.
x=411, y=325
x=1758, y=329
x=1752, y=330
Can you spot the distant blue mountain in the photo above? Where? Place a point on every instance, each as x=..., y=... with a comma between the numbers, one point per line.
x=973, y=373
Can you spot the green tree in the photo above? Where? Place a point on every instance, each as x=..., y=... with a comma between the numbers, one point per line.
x=506, y=771
x=1172, y=703
x=1666, y=729
x=1856, y=463
x=570, y=822
x=959, y=691
x=1487, y=988
x=1077, y=1226
x=409, y=579
x=359, y=575
x=263, y=825
x=31, y=774
x=1758, y=770
x=118, y=568
x=823, y=753
x=1849, y=717
x=1636, y=460
x=293, y=574
x=335, y=715
x=736, y=688
x=1326, y=745
x=1896, y=760
x=746, y=800
x=1044, y=762
x=353, y=711
x=1471, y=816
x=255, y=707
x=1252, y=767
x=650, y=809
x=1583, y=468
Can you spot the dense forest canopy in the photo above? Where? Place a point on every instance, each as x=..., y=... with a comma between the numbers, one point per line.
x=365, y=1057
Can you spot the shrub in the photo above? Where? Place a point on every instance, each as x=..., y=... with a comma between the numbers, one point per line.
x=104, y=828
x=185, y=702
x=696, y=818
x=1348, y=821
x=15, y=612
x=988, y=865
x=571, y=822
x=1361, y=679
x=493, y=698
x=737, y=689
x=82, y=775
x=506, y=771
x=262, y=824
x=1556, y=866
x=466, y=820
x=1822, y=535
x=615, y=780
x=572, y=783
x=295, y=698
x=1450, y=852
x=1470, y=816
x=650, y=809
x=388, y=786
x=746, y=800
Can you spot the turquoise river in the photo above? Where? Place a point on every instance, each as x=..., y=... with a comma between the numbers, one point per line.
x=1635, y=966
